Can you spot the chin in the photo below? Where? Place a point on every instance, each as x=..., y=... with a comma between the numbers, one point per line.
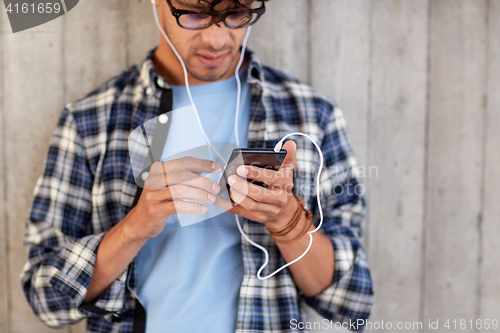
x=208, y=75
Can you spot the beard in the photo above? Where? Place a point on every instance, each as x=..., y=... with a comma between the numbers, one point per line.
x=211, y=74
x=200, y=72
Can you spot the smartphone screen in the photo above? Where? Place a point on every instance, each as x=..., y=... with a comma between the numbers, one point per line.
x=265, y=158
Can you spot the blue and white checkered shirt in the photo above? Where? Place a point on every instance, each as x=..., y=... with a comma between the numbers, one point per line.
x=87, y=186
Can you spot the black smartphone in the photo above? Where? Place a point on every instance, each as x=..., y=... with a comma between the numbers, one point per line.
x=265, y=158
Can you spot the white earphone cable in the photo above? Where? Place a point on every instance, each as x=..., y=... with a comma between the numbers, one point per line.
x=186, y=81
x=277, y=148
x=238, y=82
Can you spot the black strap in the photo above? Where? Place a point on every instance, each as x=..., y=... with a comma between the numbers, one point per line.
x=160, y=135
x=139, y=318
x=90, y=307
x=161, y=130
x=166, y=101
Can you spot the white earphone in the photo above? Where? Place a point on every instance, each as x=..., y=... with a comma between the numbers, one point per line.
x=277, y=148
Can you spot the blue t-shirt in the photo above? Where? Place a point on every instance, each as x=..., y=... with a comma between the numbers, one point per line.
x=189, y=277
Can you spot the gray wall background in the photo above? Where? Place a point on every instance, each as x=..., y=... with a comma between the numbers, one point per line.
x=418, y=81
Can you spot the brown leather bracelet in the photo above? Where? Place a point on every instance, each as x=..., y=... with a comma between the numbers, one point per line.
x=303, y=232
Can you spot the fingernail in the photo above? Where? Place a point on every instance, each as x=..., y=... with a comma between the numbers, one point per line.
x=231, y=180
x=242, y=171
x=216, y=188
x=216, y=167
x=204, y=209
x=211, y=197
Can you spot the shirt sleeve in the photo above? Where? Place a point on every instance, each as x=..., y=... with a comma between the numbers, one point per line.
x=59, y=238
x=349, y=297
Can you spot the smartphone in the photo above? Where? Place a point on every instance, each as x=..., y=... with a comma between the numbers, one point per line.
x=265, y=158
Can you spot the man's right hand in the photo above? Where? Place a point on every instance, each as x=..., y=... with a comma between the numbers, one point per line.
x=165, y=188
x=167, y=185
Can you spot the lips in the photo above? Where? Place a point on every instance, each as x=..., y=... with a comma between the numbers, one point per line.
x=211, y=60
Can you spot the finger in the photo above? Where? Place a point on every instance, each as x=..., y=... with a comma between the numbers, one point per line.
x=234, y=208
x=186, y=163
x=290, y=161
x=265, y=175
x=185, y=207
x=240, y=184
x=182, y=177
x=181, y=192
x=274, y=195
x=253, y=206
x=223, y=203
x=178, y=192
x=254, y=216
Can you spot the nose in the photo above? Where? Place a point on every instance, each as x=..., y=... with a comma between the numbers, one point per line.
x=216, y=36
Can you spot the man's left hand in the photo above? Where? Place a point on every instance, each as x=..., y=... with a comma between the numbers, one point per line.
x=275, y=205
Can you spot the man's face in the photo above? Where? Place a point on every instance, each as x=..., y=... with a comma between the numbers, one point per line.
x=209, y=54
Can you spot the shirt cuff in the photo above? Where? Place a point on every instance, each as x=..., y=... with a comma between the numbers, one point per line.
x=75, y=267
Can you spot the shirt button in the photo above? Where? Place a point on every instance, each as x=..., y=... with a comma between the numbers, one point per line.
x=149, y=91
x=163, y=119
x=144, y=175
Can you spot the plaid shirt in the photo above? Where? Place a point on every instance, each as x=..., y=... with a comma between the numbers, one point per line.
x=87, y=186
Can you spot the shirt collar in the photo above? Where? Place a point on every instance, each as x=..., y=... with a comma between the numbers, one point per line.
x=150, y=80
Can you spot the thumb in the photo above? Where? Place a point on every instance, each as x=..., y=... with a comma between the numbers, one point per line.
x=290, y=161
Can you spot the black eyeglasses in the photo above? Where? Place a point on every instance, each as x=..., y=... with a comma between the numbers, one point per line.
x=197, y=20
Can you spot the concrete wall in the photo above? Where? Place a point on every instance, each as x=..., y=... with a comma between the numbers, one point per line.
x=418, y=81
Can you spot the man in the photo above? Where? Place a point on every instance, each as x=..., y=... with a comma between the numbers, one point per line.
x=104, y=249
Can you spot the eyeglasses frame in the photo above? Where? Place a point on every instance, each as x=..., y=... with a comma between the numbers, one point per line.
x=217, y=16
